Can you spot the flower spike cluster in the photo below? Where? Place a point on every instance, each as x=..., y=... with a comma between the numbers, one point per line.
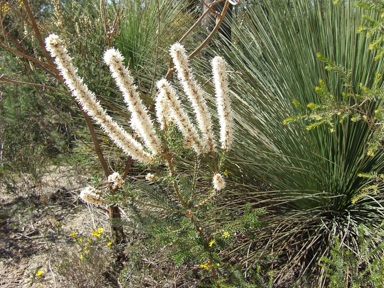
x=140, y=121
x=223, y=103
x=195, y=95
x=92, y=107
x=167, y=100
x=168, y=109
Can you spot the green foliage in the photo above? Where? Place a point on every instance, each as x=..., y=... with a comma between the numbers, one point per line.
x=344, y=268
x=365, y=106
x=36, y=124
x=372, y=27
x=31, y=136
x=156, y=212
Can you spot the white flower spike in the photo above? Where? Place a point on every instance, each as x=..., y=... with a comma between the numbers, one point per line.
x=195, y=95
x=223, y=103
x=167, y=98
x=141, y=122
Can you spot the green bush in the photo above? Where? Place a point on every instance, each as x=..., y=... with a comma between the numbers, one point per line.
x=345, y=268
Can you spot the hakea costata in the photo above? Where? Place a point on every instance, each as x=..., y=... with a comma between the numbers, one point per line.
x=141, y=122
x=195, y=95
x=168, y=105
x=223, y=102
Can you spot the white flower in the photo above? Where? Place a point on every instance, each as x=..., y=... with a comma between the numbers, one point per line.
x=116, y=180
x=167, y=102
x=163, y=111
x=195, y=95
x=91, y=195
x=140, y=121
x=89, y=103
x=150, y=177
x=218, y=182
x=223, y=102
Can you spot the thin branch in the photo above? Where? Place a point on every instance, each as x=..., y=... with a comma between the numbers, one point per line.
x=29, y=57
x=198, y=20
x=205, y=42
x=210, y=8
x=174, y=181
x=171, y=69
x=2, y=77
x=110, y=34
x=25, y=52
x=14, y=42
x=38, y=35
x=127, y=167
x=95, y=142
x=102, y=15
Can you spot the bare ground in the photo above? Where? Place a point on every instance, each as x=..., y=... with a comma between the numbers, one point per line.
x=36, y=222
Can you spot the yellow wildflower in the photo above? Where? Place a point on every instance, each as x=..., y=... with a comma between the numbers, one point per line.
x=226, y=172
x=109, y=244
x=81, y=256
x=225, y=235
x=74, y=235
x=94, y=233
x=100, y=230
x=86, y=251
x=89, y=240
x=211, y=243
x=204, y=266
x=39, y=273
x=80, y=239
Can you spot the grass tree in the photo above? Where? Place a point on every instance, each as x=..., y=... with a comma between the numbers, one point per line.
x=314, y=175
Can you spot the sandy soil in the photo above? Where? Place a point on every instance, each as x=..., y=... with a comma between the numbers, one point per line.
x=36, y=222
